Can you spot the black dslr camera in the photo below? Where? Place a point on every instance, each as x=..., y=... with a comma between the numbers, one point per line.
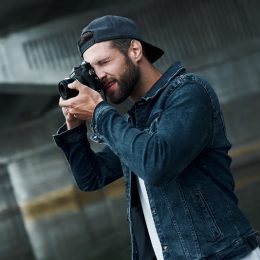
x=85, y=74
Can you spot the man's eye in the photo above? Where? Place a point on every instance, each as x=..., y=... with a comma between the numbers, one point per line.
x=104, y=62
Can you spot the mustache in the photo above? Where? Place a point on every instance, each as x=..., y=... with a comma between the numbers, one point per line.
x=106, y=83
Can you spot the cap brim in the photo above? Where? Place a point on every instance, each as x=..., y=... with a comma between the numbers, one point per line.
x=151, y=52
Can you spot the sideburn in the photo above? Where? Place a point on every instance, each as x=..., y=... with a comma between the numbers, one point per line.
x=129, y=80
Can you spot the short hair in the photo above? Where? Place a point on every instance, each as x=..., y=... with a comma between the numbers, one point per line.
x=121, y=44
x=85, y=37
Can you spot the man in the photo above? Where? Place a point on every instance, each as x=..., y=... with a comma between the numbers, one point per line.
x=171, y=148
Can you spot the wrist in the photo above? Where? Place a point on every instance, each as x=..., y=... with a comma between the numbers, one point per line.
x=99, y=111
x=72, y=124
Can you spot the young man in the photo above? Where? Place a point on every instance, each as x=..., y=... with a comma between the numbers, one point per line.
x=171, y=148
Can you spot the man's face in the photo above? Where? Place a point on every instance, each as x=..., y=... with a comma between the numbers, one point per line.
x=118, y=74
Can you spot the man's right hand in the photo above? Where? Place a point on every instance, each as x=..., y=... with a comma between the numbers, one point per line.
x=71, y=120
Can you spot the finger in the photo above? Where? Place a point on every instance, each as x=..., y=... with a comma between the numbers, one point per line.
x=79, y=86
x=64, y=103
x=75, y=85
x=60, y=101
x=66, y=110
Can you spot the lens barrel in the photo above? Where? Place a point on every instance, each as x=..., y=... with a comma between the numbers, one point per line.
x=66, y=92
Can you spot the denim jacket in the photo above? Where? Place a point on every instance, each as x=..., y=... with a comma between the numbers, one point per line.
x=173, y=138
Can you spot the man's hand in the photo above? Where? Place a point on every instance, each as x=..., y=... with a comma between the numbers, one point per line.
x=80, y=108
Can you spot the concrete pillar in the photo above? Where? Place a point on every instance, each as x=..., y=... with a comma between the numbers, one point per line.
x=45, y=193
x=14, y=242
x=61, y=222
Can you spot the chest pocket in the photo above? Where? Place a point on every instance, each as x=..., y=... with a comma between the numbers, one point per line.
x=153, y=122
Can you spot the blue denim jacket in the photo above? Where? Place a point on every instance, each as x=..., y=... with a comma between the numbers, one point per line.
x=174, y=139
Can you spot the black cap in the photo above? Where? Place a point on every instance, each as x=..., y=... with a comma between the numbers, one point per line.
x=112, y=27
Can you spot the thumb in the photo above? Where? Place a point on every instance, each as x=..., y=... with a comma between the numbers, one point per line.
x=75, y=85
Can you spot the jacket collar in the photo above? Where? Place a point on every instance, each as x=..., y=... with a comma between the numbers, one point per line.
x=173, y=71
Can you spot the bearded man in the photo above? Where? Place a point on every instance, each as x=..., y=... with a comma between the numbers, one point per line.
x=171, y=148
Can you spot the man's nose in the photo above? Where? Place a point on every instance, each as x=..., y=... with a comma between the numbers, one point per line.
x=100, y=73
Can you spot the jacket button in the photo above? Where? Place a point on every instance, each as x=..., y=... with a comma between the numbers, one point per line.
x=165, y=248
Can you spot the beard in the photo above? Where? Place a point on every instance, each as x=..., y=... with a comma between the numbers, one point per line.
x=127, y=82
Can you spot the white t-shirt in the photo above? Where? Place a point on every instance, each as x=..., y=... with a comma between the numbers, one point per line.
x=149, y=219
x=254, y=255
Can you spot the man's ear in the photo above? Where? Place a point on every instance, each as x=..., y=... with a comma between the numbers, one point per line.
x=136, y=50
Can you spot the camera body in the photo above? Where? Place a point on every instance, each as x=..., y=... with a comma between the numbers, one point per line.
x=85, y=74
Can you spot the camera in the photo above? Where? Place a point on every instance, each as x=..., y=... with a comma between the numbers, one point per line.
x=85, y=74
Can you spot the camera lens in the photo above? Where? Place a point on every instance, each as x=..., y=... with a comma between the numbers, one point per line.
x=66, y=92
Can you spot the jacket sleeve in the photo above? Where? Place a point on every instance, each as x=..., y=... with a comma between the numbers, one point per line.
x=91, y=170
x=184, y=129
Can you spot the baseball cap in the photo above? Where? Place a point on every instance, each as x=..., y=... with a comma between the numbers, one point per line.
x=112, y=27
